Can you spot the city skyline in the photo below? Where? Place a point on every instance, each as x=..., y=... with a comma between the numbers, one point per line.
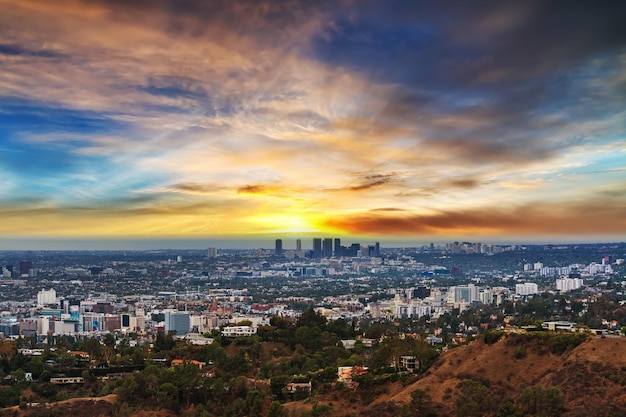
x=204, y=124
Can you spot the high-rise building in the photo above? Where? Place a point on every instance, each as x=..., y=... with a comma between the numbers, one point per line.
x=279, y=247
x=298, y=245
x=527, y=288
x=25, y=267
x=421, y=292
x=45, y=297
x=338, y=252
x=328, y=247
x=467, y=293
x=377, y=249
x=352, y=250
x=212, y=253
x=317, y=248
x=177, y=322
x=568, y=284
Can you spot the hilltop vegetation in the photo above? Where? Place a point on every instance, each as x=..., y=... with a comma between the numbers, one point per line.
x=501, y=374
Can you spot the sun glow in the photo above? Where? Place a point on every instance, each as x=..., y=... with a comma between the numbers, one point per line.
x=287, y=223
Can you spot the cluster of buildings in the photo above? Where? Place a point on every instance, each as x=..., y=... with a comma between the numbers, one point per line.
x=144, y=296
x=592, y=269
x=24, y=269
x=327, y=248
x=54, y=316
x=424, y=301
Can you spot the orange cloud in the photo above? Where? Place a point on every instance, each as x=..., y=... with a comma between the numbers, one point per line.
x=608, y=217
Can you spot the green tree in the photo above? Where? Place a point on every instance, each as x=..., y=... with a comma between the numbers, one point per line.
x=311, y=319
x=508, y=409
x=185, y=378
x=280, y=322
x=309, y=337
x=421, y=404
x=276, y=409
x=109, y=340
x=164, y=342
x=474, y=399
x=542, y=402
x=93, y=347
x=168, y=396
x=277, y=386
x=375, y=331
x=321, y=410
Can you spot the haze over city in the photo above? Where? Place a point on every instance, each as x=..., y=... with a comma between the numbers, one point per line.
x=154, y=124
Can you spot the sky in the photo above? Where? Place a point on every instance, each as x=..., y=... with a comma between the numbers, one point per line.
x=206, y=121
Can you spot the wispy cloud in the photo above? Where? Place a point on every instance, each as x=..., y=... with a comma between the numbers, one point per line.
x=423, y=117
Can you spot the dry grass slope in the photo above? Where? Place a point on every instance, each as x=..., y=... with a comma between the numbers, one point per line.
x=591, y=377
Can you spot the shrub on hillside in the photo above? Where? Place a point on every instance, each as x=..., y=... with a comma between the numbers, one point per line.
x=557, y=343
x=490, y=337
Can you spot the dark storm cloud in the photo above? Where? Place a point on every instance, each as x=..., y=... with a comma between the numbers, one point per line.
x=459, y=40
x=502, y=65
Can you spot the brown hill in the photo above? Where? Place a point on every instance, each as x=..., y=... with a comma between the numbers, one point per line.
x=591, y=377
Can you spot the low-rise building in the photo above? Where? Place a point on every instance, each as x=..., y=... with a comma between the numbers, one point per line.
x=236, y=331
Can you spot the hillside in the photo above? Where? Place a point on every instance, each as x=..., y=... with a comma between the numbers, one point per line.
x=591, y=378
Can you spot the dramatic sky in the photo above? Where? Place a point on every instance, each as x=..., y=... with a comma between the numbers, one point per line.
x=416, y=120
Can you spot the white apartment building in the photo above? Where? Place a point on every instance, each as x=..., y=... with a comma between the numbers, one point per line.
x=527, y=288
x=568, y=284
x=47, y=297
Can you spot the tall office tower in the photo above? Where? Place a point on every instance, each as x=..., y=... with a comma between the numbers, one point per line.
x=177, y=322
x=421, y=292
x=212, y=253
x=25, y=267
x=477, y=247
x=338, y=251
x=298, y=245
x=328, y=248
x=279, y=247
x=317, y=248
x=377, y=248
